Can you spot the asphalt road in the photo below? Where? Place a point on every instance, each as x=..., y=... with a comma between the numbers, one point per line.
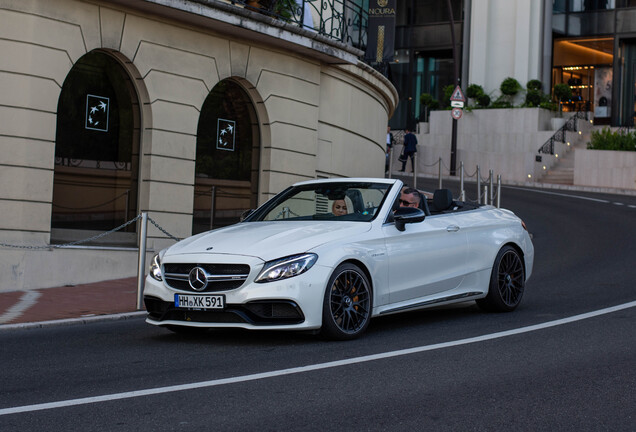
x=564, y=360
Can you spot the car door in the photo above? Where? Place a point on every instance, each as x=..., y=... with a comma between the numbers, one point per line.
x=426, y=258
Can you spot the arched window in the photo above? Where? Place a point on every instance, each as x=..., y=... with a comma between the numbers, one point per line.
x=96, y=151
x=228, y=140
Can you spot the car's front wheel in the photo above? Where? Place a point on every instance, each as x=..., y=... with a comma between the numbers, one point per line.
x=347, y=303
x=507, y=282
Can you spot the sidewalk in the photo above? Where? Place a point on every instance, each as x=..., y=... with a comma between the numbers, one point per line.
x=88, y=301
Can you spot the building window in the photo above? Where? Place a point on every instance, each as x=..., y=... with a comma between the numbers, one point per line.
x=586, y=66
x=96, y=152
x=227, y=158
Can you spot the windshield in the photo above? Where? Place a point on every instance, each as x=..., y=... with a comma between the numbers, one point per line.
x=338, y=201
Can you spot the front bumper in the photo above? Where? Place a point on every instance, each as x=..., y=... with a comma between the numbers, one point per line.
x=289, y=304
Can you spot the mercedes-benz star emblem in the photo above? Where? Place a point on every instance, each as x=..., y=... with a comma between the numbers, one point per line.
x=198, y=279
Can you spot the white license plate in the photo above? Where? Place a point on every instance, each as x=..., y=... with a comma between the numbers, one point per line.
x=199, y=301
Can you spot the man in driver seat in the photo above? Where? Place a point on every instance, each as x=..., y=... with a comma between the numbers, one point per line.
x=410, y=197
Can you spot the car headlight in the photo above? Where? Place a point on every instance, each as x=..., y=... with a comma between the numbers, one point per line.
x=286, y=267
x=155, y=268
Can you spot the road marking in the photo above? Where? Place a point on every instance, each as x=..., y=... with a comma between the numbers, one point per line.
x=559, y=194
x=314, y=367
x=26, y=301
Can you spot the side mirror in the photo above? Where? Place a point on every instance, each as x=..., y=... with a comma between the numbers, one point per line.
x=245, y=214
x=404, y=215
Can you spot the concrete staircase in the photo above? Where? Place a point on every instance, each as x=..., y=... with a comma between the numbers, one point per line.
x=562, y=173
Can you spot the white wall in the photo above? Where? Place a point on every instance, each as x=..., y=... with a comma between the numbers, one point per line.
x=503, y=140
x=505, y=41
x=605, y=168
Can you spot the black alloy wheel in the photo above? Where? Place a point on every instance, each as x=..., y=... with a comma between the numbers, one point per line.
x=507, y=282
x=347, y=303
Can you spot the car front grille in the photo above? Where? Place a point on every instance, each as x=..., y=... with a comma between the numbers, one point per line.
x=279, y=312
x=220, y=277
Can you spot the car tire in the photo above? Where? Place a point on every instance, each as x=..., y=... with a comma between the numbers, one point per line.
x=347, y=303
x=507, y=282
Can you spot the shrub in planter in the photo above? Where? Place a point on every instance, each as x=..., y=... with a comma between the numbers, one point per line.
x=501, y=102
x=562, y=92
x=448, y=92
x=428, y=104
x=608, y=140
x=549, y=105
x=534, y=84
x=534, y=98
x=474, y=91
x=510, y=87
x=483, y=100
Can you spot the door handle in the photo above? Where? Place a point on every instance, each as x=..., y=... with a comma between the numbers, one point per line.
x=452, y=228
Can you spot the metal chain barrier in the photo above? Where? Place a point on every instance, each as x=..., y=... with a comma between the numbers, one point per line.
x=74, y=243
x=152, y=221
x=90, y=239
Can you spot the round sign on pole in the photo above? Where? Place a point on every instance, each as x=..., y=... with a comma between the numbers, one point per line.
x=456, y=113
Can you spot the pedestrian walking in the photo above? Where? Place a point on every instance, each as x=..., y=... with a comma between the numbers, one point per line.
x=409, y=150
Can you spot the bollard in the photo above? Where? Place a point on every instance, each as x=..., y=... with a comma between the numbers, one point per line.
x=414, y=170
x=439, y=186
x=479, y=186
x=212, y=202
x=141, y=267
x=486, y=194
x=490, y=187
x=499, y=191
x=462, y=193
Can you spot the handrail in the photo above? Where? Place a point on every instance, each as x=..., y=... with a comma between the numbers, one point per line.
x=559, y=135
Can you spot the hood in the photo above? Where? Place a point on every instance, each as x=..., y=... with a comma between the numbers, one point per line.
x=268, y=240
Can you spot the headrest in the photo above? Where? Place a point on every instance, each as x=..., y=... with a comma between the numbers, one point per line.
x=442, y=199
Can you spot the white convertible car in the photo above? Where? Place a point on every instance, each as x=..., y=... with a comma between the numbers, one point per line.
x=328, y=255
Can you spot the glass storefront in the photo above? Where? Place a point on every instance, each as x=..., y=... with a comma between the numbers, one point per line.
x=585, y=65
x=96, y=151
x=226, y=173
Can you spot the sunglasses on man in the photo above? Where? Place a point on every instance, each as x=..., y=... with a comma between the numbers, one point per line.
x=407, y=203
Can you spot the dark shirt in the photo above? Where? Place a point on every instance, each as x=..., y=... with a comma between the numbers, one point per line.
x=410, y=143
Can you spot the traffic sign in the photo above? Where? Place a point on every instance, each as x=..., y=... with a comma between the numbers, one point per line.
x=457, y=104
x=458, y=95
x=456, y=113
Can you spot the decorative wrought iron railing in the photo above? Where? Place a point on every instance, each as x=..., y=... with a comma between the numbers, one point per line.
x=342, y=20
x=559, y=135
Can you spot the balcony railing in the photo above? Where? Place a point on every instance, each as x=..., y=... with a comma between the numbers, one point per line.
x=342, y=20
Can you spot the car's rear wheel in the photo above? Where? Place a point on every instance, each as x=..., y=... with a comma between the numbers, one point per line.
x=347, y=303
x=507, y=282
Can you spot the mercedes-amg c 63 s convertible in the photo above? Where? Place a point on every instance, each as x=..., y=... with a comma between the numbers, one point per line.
x=329, y=255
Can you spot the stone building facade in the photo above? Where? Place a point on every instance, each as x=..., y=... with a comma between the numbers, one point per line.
x=190, y=110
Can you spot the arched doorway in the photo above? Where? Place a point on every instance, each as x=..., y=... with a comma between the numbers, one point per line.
x=227, y=158
x=96, y=152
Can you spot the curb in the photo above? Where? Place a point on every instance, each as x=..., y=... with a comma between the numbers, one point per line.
x=72, y=321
